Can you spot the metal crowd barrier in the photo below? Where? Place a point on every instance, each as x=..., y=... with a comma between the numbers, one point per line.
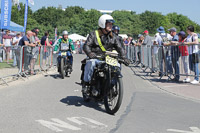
x=171, y=61
x=29, y=60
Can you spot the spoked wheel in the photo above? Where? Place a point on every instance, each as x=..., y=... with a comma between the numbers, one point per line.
x=85, y=94
x=66, y=74
x=114, y=96
x=62, y=71
x=85, y=97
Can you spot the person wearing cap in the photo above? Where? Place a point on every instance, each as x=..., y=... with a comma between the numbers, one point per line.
x=175, y=54
x=160, y=39
x=184, y=55
x=15, y=43
x=147, y=38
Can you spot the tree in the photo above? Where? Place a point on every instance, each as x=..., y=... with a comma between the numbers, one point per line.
x=77, y=20
x=128, y=22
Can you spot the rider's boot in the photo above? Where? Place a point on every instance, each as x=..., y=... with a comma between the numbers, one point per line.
x=85, y=86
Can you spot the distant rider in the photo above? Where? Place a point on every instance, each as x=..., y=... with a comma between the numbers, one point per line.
x=71, y=50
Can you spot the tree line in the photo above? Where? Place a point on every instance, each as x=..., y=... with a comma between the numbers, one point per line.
x=76, y=19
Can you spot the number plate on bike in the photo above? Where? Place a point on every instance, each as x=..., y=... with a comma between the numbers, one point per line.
x=111, y=61
x=64, y=54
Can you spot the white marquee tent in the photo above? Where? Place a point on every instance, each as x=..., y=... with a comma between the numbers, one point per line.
x=76, y=37
x=123, y=36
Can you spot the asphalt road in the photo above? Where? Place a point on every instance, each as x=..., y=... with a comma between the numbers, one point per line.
x=49, y=104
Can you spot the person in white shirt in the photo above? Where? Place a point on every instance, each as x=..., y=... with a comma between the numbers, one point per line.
x=160, y=39
x=191, y=40
x=7, y=39
x=15, y=43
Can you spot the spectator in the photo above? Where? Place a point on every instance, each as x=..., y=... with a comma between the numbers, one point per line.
x=1, y=52
x=7, y=40
x=45, y=43
x=37, y=30
x=15, y=43
x=160, y=39
x=25, y=41
x=35, y=51
x=184, y=55
x=82, y=42
x=191, y=40
x=36, y=37
x=139, y=43
x=125, y=42
x=147, y=39
x=175, y=54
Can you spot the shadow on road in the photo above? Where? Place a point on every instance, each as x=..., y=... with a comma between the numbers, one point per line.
x=78, y=83
x=56, y=76
x=78, y=102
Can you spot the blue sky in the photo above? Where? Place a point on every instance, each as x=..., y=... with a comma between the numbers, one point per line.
x=190, y=8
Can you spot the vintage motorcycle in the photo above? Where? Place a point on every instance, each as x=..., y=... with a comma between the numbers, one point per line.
x=106, y=84
x=64, y=66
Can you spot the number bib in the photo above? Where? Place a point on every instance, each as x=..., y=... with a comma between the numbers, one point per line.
x=111, y=61
x=64, y=46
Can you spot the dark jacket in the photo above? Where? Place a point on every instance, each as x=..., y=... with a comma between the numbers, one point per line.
x=110, y=42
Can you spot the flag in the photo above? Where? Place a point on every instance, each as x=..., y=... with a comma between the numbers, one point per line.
x=6, y=7
x=18, y=6
x=25, y=15
x=56, y=36
x=31, y=2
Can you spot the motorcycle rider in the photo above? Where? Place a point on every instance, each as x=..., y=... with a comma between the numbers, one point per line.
x=93, y=48
x=71, y=50
x=116, y=30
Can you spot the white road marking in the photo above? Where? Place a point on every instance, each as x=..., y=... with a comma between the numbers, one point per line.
x=77, y=120
x=194, y=130
x=176, y=86
x=95, y=122
x=57, y=123
x=76, y=90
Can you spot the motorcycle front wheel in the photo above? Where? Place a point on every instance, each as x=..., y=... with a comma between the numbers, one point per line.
x=62, y=71
x=114, y=96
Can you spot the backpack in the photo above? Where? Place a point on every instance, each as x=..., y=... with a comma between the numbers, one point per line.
x=164, y=37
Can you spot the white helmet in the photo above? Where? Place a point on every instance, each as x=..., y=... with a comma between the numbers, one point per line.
x=65, y=32
x=104, y=19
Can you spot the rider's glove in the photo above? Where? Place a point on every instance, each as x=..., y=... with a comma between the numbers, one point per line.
x=92, y=55
x=126, y=62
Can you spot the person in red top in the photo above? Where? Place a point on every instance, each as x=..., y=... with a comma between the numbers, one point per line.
x=184, y=55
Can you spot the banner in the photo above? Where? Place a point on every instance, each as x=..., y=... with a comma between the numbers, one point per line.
x=25, y=15
x=56, y=35
x=6, y=7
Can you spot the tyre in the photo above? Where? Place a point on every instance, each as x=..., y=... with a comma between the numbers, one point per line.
x=85, y=96
x=113, y=98
x=66, y=74
x=62, y=71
